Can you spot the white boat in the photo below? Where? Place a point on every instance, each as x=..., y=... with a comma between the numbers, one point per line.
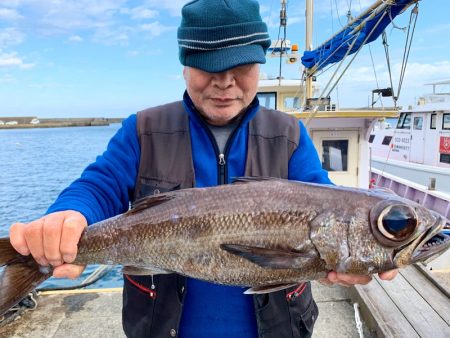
x=417, y=148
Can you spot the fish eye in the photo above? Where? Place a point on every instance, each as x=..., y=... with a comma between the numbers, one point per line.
x=397, y=222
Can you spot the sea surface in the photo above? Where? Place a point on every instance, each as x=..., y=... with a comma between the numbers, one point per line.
x=36, y=165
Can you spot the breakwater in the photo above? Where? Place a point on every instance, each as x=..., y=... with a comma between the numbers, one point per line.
x=35, y=122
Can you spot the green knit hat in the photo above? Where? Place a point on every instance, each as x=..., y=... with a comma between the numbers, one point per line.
x=216, y=35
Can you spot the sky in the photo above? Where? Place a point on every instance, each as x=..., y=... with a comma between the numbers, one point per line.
x=111, y=58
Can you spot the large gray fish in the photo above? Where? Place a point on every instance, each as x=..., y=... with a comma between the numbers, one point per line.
x=267, y=234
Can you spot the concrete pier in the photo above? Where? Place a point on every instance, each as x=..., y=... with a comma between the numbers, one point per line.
x=97, y=313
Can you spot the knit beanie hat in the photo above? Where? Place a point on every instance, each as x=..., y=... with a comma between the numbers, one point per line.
x=216, y=35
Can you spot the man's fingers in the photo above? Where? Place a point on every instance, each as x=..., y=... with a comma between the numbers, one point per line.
x=71, y=271
x=33, y=237
x=353, y=279
x=17, y=238
x=388, y=275
x=345, y=279
x=52, y=229
x=73, y=227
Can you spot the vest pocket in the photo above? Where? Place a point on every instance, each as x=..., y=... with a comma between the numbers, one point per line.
x=307, y=320
x=306, y=312
x=137, y=311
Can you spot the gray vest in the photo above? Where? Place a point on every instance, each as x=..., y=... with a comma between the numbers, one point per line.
x=166, y=164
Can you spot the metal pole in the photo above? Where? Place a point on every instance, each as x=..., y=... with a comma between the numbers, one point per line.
x=308, y=47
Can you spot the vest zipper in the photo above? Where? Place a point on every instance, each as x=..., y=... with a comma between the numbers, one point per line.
x=222, y=172
x=222, y=163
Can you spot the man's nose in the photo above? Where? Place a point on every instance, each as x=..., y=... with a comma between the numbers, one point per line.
x=224, y=79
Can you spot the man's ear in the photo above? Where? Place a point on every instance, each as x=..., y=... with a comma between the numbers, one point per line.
x=185, y=72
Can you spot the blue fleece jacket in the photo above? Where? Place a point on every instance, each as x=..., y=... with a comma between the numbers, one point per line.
x=106, y=186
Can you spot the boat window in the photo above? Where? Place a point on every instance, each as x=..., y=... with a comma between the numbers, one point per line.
x=335, y=155
x=400, y=120
x=386, y=140
x=292, y=103
x=404, y=121
x=418, y=123
x=445, y=158
x=268, y=100
x=433, y=121
x=446, y=121
x=371, y=138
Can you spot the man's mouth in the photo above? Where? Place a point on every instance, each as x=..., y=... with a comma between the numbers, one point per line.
x=223, y=99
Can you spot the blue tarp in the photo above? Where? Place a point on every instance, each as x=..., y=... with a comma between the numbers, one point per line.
x=340, y=43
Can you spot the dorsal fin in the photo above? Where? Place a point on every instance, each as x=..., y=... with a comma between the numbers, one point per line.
x=248, y=179
x=149, y=202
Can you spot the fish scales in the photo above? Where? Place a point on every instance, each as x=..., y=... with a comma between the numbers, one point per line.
x=184, y=234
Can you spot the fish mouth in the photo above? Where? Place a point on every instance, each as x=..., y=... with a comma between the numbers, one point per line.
x=435, y=241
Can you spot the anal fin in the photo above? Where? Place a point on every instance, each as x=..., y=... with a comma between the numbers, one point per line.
x=140, y=271
x=268, y=288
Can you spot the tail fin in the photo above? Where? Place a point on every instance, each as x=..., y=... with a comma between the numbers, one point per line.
x=19, y=275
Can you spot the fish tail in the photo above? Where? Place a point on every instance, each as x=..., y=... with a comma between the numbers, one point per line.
x=19, y=275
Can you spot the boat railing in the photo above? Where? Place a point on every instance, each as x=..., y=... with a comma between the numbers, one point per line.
x=434, y=98
x=423, y=195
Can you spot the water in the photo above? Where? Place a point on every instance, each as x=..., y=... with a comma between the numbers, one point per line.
x=35, y=165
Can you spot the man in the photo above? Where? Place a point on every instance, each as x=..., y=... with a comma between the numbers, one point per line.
x=218, y=132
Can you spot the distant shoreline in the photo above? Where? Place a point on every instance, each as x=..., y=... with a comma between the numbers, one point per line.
x=25, y=122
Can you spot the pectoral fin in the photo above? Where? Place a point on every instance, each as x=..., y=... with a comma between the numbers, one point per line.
x=269, y=258
x=139, y=271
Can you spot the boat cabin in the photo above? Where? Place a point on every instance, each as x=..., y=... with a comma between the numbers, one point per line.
x=340, y=136
x=421, y=135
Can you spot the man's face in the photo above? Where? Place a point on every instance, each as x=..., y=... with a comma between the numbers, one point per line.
x=220, y=97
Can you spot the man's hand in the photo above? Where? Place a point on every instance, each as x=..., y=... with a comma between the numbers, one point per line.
x=345, y=279
x=53, y=240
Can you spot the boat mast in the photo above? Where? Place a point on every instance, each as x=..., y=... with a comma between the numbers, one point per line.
x=309, y=29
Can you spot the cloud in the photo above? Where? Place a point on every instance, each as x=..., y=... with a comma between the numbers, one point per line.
x=444, y=28
x=141, y=12
x=342, y=7
x=11, y=3
x=133, y=53
x=172, y=6
x=155, y=28
x=10, y=37
x=7, y=78
x=416, y=73
x=104, y=21
x=9, y=14
x=13, y=60
x=113, y=35
x=76, y=38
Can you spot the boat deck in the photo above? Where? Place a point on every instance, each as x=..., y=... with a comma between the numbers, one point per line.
x=97, y=313
x=414, y=304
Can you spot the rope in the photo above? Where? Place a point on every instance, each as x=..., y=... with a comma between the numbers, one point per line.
x=388, y=61
x=358, y=320
x=376, y=78
x=408, y=43
x=314, y=112
x=29, y=303
x=101, y=271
